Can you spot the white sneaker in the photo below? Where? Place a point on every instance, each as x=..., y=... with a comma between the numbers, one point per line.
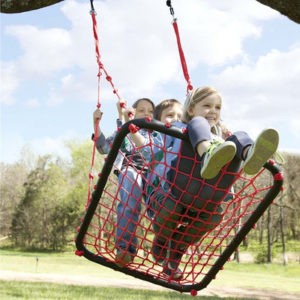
x=261, y=151
x=215, y=157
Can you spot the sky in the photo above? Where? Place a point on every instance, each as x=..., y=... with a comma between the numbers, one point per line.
x=48, y=86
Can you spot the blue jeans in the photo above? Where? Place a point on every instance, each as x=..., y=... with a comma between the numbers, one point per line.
x=131, y=185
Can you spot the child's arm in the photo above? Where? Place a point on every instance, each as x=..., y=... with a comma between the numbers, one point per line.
x=121, y=107
x=102, y=143
x=138, y=139
x=97, y=115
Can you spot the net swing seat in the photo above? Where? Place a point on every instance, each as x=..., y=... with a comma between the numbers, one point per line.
x=203, y=260
x=223, y=228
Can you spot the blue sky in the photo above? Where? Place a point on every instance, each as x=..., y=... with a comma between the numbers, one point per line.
x=48, y=90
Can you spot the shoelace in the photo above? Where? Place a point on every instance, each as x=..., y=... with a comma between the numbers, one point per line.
x=212, y=147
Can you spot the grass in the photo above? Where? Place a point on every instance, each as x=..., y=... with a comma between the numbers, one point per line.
x=48, y=291
x=264, y=276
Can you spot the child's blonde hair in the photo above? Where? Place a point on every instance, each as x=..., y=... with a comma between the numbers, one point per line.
x=194, y=97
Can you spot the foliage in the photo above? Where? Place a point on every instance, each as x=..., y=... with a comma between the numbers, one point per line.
x=11, y=191
x=48, y=200
x=262, y=255
x=45, y=190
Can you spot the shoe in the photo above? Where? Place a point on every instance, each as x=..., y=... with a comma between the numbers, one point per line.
x=123, y=258
x=171, y=267
x=175, y=274
x=215, y=157
x=261, y=151
x=159, y=250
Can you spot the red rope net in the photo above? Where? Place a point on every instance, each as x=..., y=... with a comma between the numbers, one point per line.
x=202, y=231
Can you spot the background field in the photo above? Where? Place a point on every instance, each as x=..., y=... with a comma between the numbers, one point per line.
x=67, y=268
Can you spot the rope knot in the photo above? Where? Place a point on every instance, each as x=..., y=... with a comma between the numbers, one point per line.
x=133, y=128
x=184, y=130
x=278, y=176
x=123, y=104
x=190, y=87
x=79, y=253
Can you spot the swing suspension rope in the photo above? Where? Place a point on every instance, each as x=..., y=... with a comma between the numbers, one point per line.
x=101, y=69
x=181, y=53
x=206, y=250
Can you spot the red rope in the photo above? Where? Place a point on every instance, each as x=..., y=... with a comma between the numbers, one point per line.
x=182, y=58
x=115, y=91
x=181, y=54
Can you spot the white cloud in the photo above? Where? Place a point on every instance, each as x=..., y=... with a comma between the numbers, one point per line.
x=44, y=50
x=52, y=146
x=9, y=82
x=265, y=92
x=137, y=43
x=138, y=49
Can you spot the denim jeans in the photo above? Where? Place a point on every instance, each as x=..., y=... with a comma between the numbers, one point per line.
x=131, y=185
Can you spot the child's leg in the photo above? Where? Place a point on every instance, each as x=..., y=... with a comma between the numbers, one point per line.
x=199, y=223
x=128, y=210
x=261, y=151
x=214, y=155
x=189, y=235
x=241, y=140
x=257, y=153
x=165, y=220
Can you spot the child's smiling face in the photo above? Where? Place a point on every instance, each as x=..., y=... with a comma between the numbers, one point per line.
x=208, y=108
x=172, y=113
x=144, y=109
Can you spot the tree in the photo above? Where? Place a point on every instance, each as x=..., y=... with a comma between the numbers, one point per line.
x=13, y=177
x=19, y=6
x=291, y=196
x=46, y=187
x=289, y=8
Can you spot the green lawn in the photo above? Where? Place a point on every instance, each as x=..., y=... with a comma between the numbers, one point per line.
x=47, y=291
x=267, y=276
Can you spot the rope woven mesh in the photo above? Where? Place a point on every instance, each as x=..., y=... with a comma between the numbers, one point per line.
x=196, y=237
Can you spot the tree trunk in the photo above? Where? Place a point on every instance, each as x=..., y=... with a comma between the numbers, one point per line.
x=261, y=229
x=282, y=232
x=269, y=259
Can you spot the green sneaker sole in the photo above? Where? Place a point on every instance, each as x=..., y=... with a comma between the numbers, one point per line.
x=218, y=160
x=265, y=146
